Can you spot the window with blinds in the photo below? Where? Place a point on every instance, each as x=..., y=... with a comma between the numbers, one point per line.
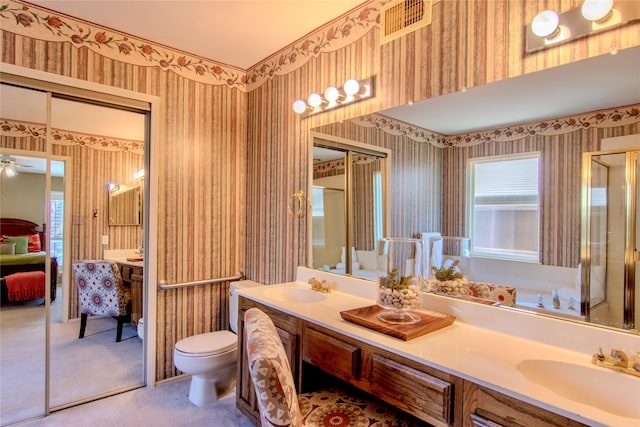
x=504, y=207
x=57, y=223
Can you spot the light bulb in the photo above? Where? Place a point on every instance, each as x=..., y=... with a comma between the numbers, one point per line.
x=299, y=106
x=596, y=10
x=331, y=94
x=545, y=23
x=351, y=87
x=314, y=100
x=9, y=171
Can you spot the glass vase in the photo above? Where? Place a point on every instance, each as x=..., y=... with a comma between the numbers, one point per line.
x=400, y=279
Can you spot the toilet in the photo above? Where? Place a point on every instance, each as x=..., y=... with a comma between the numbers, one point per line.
x=210, y=358
x=140, y=328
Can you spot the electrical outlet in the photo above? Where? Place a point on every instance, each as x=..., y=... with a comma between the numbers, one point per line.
x=105, y=240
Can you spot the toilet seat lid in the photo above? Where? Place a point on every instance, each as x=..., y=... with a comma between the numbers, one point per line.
x=208, y=343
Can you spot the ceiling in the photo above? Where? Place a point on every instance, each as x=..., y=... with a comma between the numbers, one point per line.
x=593, y=84
x=240, y=33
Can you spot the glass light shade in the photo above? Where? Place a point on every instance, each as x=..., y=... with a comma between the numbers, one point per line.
x=9, y=171
x=351, y=87
x=545, y=23
x=314, y=100
x=595, y=10
x=331, y=94
x=299, y=106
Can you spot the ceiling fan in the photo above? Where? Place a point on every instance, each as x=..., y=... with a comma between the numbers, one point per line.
x=8, y=166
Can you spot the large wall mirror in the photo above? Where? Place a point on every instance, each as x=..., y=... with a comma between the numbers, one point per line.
x=125, y=205
x=433, y=143
x=349, y=205
x=61, y=183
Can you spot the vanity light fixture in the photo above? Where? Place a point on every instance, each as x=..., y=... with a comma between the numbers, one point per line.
x=8, y=171
x=545, y=24
x=550, y=28
x=139, y=174
x=596, y=10
x=352, y=91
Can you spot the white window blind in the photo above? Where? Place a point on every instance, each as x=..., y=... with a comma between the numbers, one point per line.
x=377, y=206
x=504, y=206
x=57, y=225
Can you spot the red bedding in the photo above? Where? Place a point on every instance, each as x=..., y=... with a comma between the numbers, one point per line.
x=26, y=286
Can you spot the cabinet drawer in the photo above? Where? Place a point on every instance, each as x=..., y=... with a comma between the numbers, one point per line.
x=501, y=410
x=330, y=354
x=425, y=396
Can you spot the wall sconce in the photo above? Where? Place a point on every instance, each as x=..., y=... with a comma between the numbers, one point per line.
x=550, y=28
x=139, y=174
x=333, y=97
x=113, y=188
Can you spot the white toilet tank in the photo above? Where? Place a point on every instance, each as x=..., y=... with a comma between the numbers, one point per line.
x=233, y=301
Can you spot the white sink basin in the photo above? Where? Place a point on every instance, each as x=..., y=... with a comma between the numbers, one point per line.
x=610, y=391
x=295, y=295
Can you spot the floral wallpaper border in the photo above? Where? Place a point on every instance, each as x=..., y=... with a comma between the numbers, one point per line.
x=338, y=164
x=598, y=119
x=22, y=129
x=37, y=22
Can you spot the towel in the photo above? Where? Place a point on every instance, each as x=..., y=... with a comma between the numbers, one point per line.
x=25, y=286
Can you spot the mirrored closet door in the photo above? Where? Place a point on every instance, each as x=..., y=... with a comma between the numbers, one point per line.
x=23, y=193
x=65, y=174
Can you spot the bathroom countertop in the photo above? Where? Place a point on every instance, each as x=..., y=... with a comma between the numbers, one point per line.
x=476, y=353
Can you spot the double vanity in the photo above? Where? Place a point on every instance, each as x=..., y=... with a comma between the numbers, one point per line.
x=489, y=368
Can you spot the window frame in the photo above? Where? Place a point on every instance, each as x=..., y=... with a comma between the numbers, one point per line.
x=507, y=255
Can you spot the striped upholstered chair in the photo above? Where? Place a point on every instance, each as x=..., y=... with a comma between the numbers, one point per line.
x=280, y=405
x=101, y=292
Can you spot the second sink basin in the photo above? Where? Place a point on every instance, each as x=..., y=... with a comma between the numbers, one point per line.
x=609, y=391
x=295, y=295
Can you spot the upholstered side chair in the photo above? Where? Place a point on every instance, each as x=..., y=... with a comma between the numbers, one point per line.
x=280, y=405
x=101, y=293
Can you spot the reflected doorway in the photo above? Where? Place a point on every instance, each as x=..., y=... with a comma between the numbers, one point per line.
x=611, y=238
x=349, y=211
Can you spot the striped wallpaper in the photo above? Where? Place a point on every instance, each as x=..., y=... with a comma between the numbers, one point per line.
x=232, y=155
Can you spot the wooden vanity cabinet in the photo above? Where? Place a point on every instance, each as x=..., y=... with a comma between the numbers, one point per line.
x=132, y=277
x=433, y=396
x=484, y=407
x=428, y=394
x=289, y=328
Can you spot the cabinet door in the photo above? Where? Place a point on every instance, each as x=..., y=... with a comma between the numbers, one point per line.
x=245, y=393
x=136, y=298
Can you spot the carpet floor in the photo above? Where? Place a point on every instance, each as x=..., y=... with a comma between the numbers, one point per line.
x=166, y=405
x=80, y=368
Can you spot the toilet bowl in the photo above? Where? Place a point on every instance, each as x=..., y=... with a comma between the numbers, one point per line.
x=210, y=358
x=140, y=328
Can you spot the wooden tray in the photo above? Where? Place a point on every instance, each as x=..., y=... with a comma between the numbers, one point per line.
x=368, y=317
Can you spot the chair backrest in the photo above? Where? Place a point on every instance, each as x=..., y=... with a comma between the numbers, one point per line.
x=100, y=288
x=270, y=372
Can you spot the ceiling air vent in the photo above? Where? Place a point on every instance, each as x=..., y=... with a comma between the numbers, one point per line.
x=402, y=17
